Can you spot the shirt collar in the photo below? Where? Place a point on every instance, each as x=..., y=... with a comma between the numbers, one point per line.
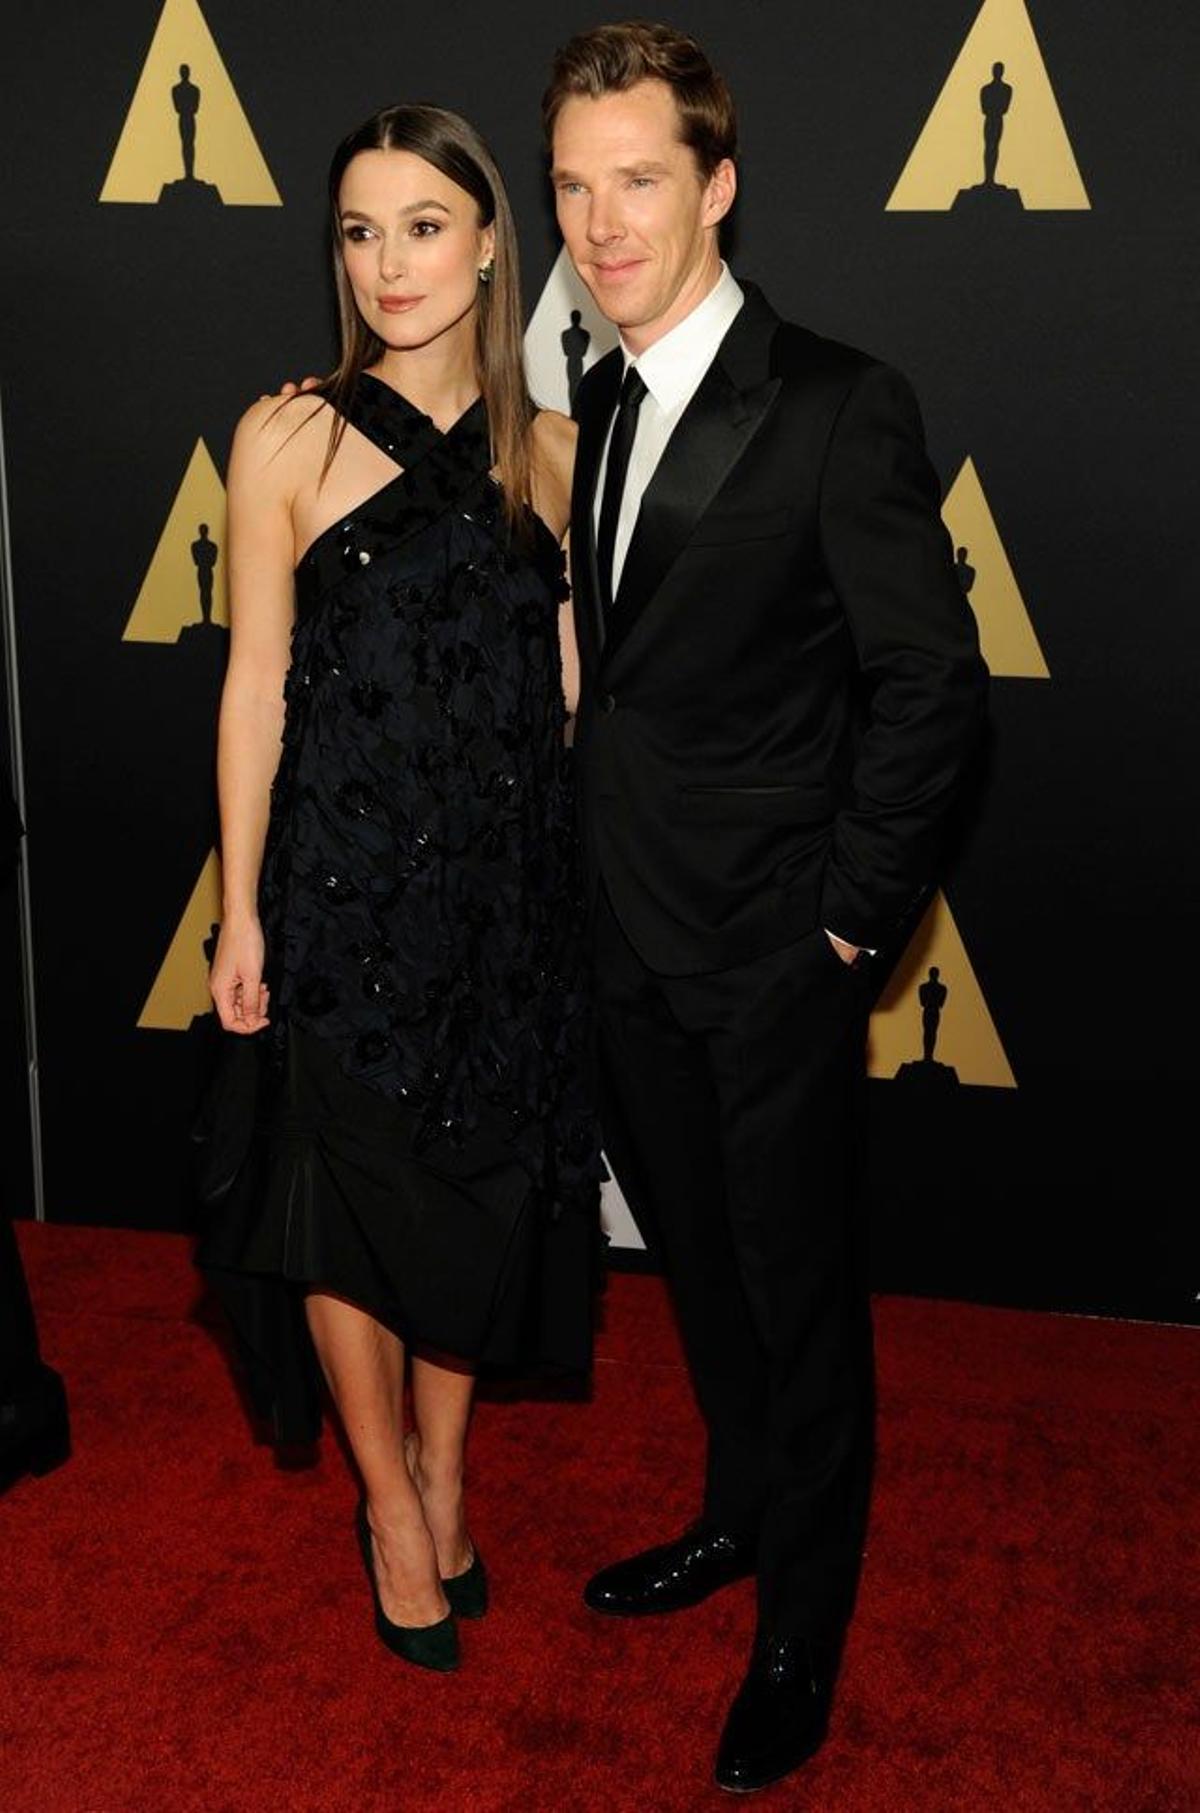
x=674, y=365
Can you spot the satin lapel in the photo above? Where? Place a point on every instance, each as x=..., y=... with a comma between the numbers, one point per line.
x=712, y=434
x=596, y=402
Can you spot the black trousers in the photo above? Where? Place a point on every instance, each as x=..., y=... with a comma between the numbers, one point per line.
x=729, y=1108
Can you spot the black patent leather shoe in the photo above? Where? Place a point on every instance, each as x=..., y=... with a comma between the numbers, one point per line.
x=780, y=1715
x=673, y=1576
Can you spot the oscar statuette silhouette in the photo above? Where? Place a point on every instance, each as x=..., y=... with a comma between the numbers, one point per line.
x=990, y=196
x=188, y=191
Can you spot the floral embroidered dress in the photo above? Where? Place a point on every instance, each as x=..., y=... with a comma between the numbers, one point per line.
x=430, y=1150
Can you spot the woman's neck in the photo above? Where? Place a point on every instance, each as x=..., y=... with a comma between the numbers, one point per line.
x=438, y=379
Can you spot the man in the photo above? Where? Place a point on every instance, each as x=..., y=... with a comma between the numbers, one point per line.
x=781, y=690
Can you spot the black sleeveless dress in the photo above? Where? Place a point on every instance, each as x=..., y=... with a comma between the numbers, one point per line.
x=426, y=1143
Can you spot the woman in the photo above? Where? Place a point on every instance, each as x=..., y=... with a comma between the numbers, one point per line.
x=398, y=858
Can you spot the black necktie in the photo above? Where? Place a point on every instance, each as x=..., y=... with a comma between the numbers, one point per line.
x=619, y=448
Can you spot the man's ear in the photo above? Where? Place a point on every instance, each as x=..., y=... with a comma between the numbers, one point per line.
x=719, y=192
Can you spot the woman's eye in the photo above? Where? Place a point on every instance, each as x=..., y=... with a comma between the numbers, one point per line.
x=356, y=234
x=425, y=229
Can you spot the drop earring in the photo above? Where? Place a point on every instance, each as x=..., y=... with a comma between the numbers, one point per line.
x=486, y=270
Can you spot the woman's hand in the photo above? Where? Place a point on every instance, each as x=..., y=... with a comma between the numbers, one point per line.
x=240, y=995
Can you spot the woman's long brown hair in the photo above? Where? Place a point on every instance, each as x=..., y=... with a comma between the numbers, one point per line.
x=452, y=146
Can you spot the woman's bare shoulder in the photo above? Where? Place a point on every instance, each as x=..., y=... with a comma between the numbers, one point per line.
x=280, y=443
x=556, y=432
x=273, y=423
x=554, y=438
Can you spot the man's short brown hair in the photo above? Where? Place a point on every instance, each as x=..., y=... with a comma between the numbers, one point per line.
x=612, y=58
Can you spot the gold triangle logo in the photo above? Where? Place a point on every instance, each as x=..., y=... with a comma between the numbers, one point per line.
x=180, y=990
x=995, y=141
x=932, y=1025
x=185, y=583
x=1006, y=634
x=186, y=139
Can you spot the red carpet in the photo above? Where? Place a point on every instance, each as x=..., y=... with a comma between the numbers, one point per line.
x=1026, y=1635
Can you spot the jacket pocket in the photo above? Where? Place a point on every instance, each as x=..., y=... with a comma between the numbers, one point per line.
x=785, y=802
x=725, y=527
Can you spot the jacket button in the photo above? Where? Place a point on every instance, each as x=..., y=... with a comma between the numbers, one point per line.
x=608, y=704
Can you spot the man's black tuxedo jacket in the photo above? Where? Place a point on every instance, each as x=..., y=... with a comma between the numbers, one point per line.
x=775, y=718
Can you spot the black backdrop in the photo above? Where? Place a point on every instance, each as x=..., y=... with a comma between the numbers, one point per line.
x=1057, y=348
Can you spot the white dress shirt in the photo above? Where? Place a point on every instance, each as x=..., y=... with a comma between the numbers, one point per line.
x=671, y=370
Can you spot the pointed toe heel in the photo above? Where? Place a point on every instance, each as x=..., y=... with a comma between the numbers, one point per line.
x=468, y=1592
x=432, y=1646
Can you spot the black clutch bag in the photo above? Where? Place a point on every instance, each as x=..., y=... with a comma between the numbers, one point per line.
x=223, y=1132
x=230, y=1136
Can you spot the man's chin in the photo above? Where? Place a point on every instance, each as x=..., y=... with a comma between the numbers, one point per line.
x=617, y=303
x=619, y=311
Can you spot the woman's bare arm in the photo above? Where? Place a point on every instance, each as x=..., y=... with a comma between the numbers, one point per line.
x=261, y=546
x=554, y=438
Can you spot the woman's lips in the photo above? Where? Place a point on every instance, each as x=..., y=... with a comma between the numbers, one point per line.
x=398, y=305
